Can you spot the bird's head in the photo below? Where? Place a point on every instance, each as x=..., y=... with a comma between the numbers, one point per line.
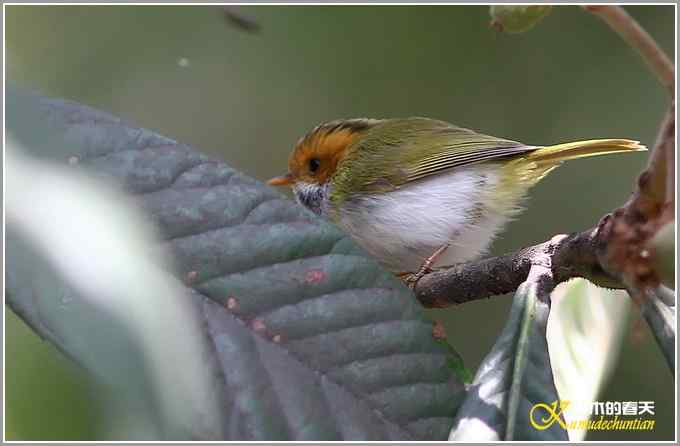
x=316, y=157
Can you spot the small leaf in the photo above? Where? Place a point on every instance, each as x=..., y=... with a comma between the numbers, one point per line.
x=517, y=19
x=455, y=363
x=514, y=376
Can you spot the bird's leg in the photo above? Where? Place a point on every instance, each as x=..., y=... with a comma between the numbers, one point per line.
x=426, y=268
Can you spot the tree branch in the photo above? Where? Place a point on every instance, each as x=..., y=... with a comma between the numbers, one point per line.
x=630, y=30
x=566, y=256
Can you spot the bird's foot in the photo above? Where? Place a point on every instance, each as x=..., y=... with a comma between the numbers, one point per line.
x=411, y=279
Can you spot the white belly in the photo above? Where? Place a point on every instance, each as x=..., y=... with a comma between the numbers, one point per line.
x=404, y=227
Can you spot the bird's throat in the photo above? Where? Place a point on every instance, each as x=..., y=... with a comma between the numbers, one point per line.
x=313, y=196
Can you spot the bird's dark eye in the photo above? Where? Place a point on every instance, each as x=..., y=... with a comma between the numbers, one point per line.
x=314, y=165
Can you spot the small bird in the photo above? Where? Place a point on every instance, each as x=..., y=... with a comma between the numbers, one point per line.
x=416, y=192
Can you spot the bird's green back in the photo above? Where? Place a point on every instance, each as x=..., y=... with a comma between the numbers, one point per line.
x=395, y=152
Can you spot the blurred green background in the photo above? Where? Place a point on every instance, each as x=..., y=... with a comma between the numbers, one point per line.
x=246, y=98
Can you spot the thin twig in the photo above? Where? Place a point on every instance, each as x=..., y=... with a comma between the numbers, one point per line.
x=234, y=16
x=630, y=30
x=666, y=143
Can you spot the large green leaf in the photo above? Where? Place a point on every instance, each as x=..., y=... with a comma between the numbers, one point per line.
x=308, y=338
x=514, y=376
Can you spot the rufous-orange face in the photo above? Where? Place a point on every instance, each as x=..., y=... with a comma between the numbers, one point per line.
x=317, y=155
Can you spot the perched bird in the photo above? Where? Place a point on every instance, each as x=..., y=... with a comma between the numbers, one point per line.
x=418, y=192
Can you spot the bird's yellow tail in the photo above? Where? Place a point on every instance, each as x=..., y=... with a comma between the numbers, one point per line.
x=525, y=171
x=581, y=149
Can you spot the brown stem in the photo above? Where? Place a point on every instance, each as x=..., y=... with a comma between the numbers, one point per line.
x=666, y=143
x=630, y=30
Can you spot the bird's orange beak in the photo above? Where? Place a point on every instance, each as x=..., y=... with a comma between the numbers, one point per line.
x=283, y=180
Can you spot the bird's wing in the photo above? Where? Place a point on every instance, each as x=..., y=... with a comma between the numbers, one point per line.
x=399, y=151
